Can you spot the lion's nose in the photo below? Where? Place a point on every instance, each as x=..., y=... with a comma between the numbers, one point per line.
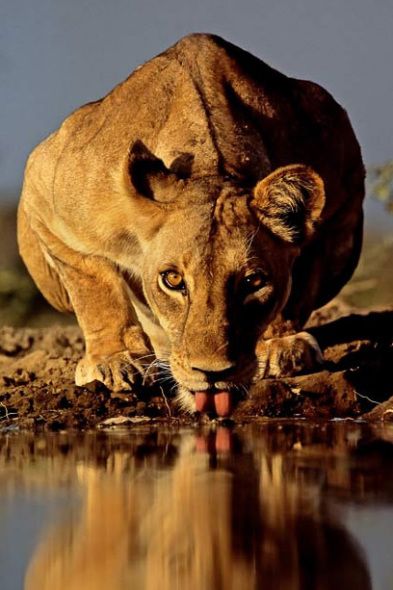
x=216, y=373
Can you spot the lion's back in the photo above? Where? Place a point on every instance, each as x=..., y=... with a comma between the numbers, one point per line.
x=238, y=117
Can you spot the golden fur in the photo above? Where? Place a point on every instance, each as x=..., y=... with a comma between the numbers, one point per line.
x=207, y=162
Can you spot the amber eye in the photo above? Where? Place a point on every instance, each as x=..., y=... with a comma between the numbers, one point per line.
x=253, y=282
x=173, y=280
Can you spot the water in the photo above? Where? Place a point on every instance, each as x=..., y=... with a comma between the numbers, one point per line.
x=274, y=505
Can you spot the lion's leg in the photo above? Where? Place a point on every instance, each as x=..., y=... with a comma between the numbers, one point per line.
x=285, y=350
x=44, y=275
x=117, y=349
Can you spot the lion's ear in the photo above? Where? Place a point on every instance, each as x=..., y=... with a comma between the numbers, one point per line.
x=149, y=175
x=289, y=202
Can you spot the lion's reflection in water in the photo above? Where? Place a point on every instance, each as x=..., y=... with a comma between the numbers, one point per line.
x=225, y=515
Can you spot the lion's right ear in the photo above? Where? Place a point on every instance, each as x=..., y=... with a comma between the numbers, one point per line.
x=149, y=175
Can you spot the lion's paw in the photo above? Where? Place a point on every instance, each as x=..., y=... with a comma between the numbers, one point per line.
x=288, y=355
x=118, y=372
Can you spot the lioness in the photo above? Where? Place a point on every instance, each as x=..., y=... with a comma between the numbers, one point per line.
x=193, y=218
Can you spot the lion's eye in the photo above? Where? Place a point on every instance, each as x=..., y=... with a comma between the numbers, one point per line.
x=253, y=282
x=173, y=280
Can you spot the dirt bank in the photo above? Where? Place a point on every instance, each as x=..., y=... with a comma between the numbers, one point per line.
x=37, y=369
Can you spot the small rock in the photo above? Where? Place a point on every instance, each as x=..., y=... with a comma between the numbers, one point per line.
x=123, y=421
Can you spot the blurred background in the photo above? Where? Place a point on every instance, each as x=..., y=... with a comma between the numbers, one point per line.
x=56, y=55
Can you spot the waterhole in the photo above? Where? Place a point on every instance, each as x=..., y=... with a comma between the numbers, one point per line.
x=272, y=505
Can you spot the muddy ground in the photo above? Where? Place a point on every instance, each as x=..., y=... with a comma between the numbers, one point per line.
x=37, y=379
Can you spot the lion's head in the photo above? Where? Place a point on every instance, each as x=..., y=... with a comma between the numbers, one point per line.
x=216, y=265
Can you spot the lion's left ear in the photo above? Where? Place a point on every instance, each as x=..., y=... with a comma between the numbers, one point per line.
x=289, y=202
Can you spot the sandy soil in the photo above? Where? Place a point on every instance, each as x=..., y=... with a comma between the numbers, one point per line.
x=37, y=388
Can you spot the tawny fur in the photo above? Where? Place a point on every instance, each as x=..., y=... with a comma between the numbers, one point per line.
x=208, y=161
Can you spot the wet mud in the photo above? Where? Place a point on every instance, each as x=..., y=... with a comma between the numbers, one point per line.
x=37, y=387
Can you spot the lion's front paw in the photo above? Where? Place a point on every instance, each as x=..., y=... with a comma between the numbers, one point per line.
x=118, y=372
x=288, y=355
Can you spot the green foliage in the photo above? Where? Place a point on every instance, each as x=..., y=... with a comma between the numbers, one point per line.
x=380, y=183
x=18, y=295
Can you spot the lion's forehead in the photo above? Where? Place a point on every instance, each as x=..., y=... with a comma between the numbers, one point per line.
x=221, y=251
x=220, y=211
x=232, y=210
x=214, y=236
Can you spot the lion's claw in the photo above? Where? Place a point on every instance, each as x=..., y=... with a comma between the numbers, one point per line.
x=288, y=355
x=118, y=372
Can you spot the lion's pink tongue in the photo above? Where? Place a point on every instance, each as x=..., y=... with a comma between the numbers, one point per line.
x=202, y=401
x=207, y=401
x=222, y=402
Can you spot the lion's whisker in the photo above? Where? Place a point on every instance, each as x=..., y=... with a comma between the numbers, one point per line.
x=145, y=356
